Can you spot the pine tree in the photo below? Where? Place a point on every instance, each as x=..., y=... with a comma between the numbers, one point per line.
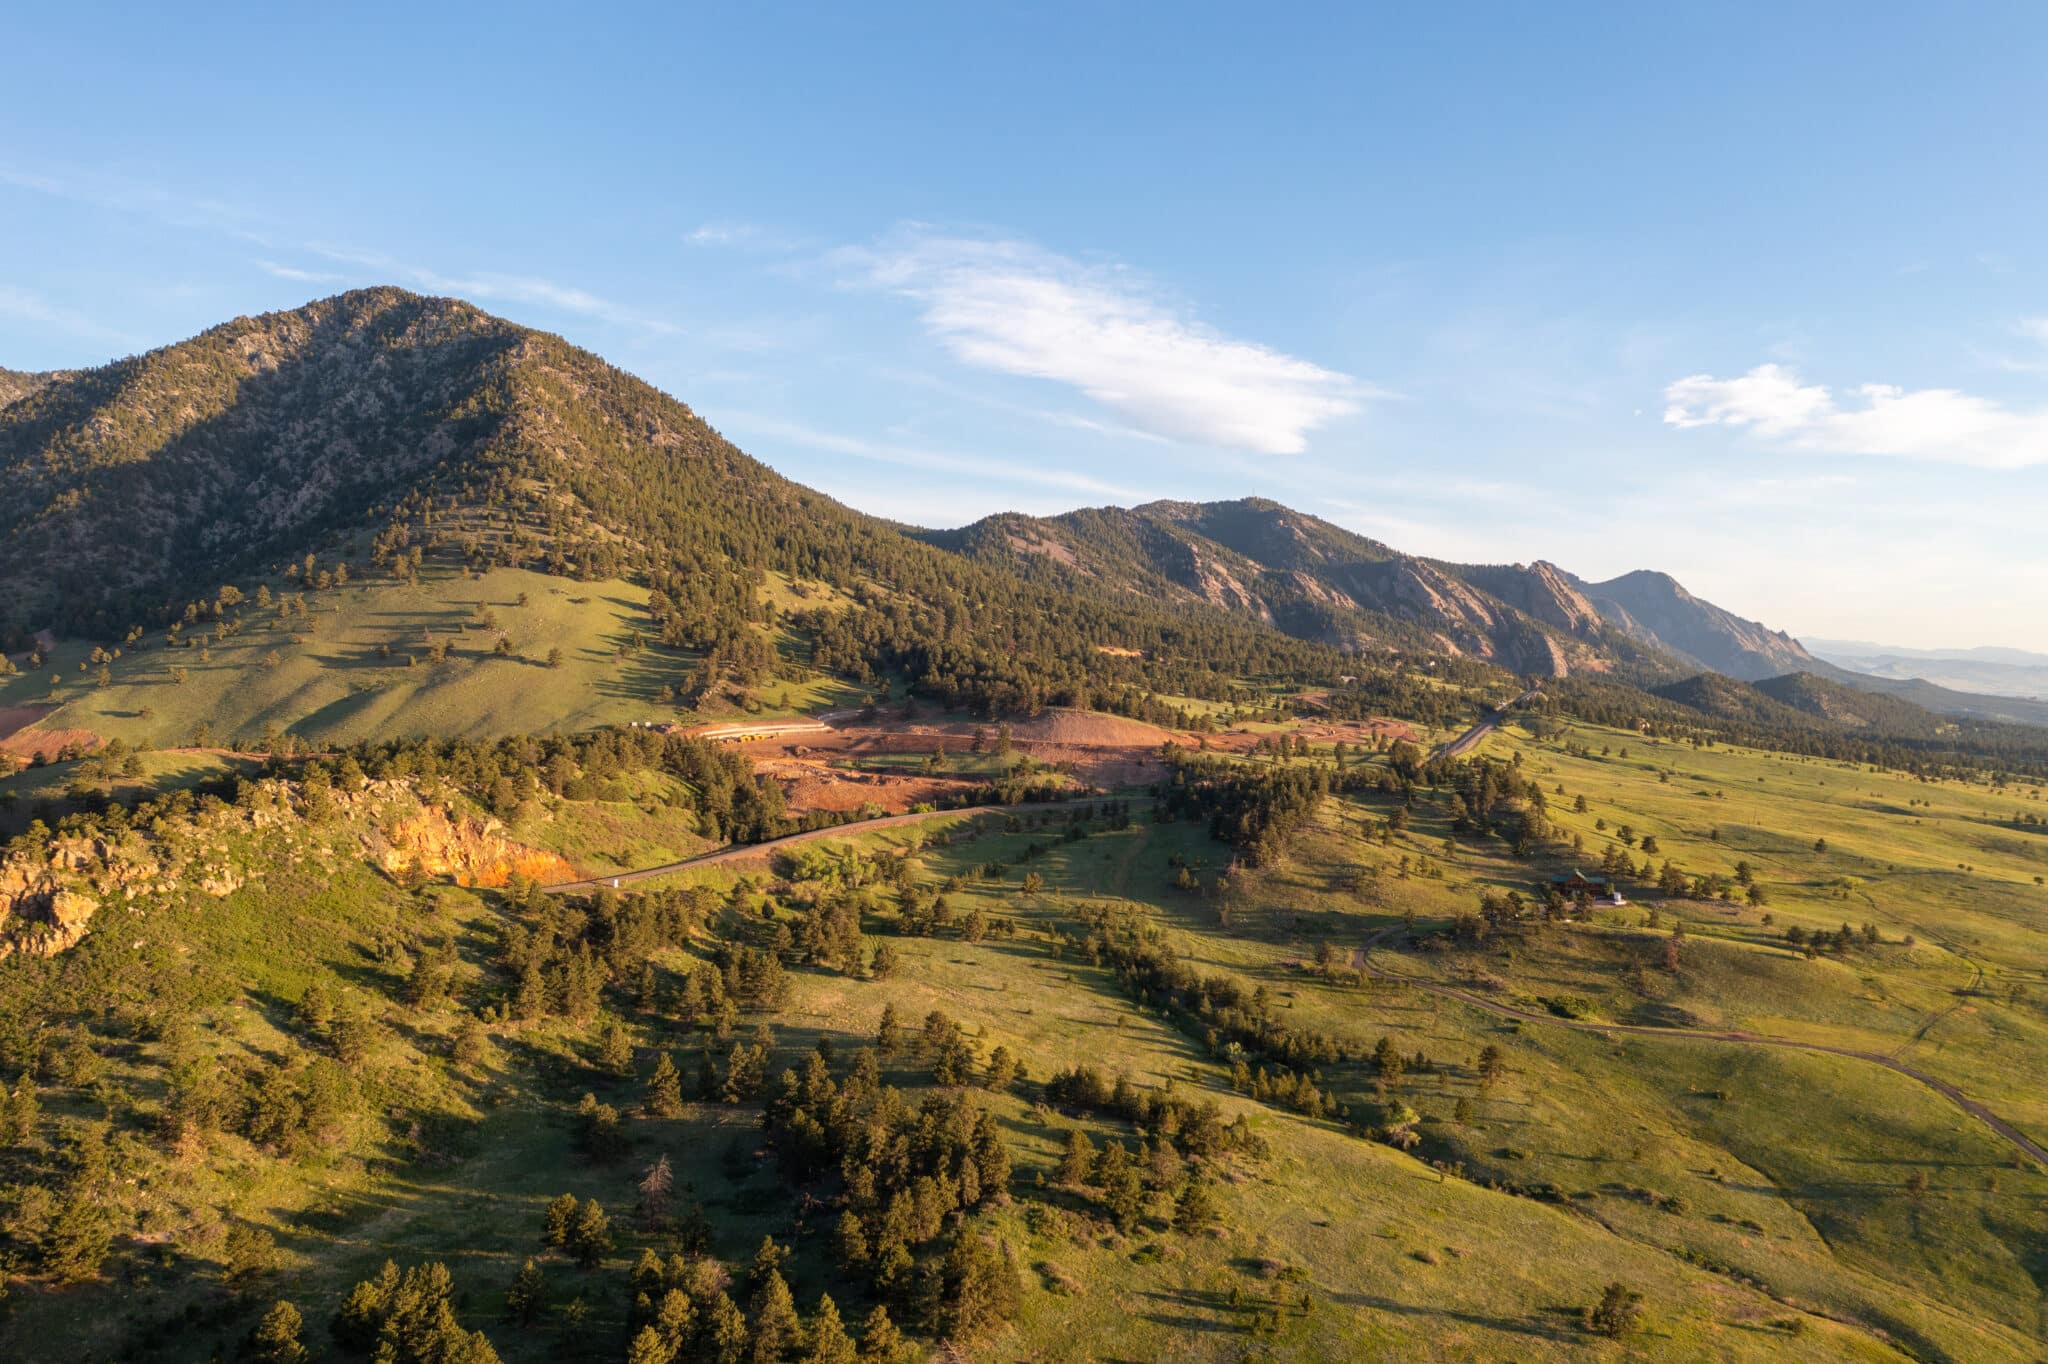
x=649, y=1347
x=776, y=1330
x=615, y=1049
x=1195, y=1208
x=880, y=1341
x=561, y=1220
x=726, y=1329
x=829, y=1343
x=78, y=1241
x=1617, y=1311
x=276, y=1339
x=527, y=1298
x=591, y=1238
x=1077, y=1161
x=676, y=1318
x=655, y=1188
x=851, y=1240
x=665, y=1090
x=884, y=963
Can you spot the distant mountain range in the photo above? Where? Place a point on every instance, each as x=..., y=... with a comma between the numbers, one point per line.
x=1995, y=671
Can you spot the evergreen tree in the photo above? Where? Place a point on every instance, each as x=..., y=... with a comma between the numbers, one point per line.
x=725, y=1328
x=880, y=1341
x=527, y=1298
x=561, y=1221
x=884, y=963
x=776, y=1330
x=78, y=1240
x=1617, y=1312
x=615, y=1049
x=591, y=1237
x=974, y=1289
x=665, y=1090
x=1195, y=1207
x=1078, y=1159
x=649, y=1347
x=276, y=1339
x=828, y=1341
x=851, y=1240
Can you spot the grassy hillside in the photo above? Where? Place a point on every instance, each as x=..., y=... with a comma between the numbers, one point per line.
x=360, y=664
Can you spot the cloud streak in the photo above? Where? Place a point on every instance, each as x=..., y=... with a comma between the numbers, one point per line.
x=1942, y=425
x=495, y=287
x=932, y=461
x=294, y=273
x=23, y=306
x=1013, y=308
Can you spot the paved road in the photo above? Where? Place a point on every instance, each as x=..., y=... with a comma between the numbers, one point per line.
x=743, y=852
x=2018, y=1139
x=1469, y=740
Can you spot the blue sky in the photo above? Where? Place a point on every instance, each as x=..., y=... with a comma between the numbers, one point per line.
x=1753, y=295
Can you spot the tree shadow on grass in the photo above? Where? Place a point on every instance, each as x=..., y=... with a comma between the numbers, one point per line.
x=1558, y=1330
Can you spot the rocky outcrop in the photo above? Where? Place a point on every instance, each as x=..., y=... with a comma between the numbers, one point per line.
x=1542, y=591
x=471, y=850
x=50, y=896
x=47, y=900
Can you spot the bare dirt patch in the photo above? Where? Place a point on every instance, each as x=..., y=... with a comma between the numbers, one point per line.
x=16, y=737
x=809, y=784
x=1089, y=728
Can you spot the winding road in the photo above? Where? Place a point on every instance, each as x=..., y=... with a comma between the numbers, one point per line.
x=1469, y=740
x=2019, y=1140
x=743, y=852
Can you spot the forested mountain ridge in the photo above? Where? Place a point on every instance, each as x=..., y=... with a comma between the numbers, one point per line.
x=379, y=428
x=363, y=434
x=16, y=385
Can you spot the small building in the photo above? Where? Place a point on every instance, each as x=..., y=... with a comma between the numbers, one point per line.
x=1575, y=883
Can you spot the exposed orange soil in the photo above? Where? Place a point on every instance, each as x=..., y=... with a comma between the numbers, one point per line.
x=29, y=742
x=1100, y=750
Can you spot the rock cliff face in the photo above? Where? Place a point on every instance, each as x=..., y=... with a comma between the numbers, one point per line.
x=471, y=850
x=49, y=897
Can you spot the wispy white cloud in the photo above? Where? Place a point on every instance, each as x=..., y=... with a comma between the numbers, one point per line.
x=493, y=287
x=760, y=427
x=1937, y=424
x=1017, y=309
x=123, y=195
x=294, y=273
x=24, y=306
x=738, y=235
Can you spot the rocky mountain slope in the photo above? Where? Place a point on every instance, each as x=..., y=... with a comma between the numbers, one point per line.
x=1308, y=577
x=15, y=385
x=1655, y=609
